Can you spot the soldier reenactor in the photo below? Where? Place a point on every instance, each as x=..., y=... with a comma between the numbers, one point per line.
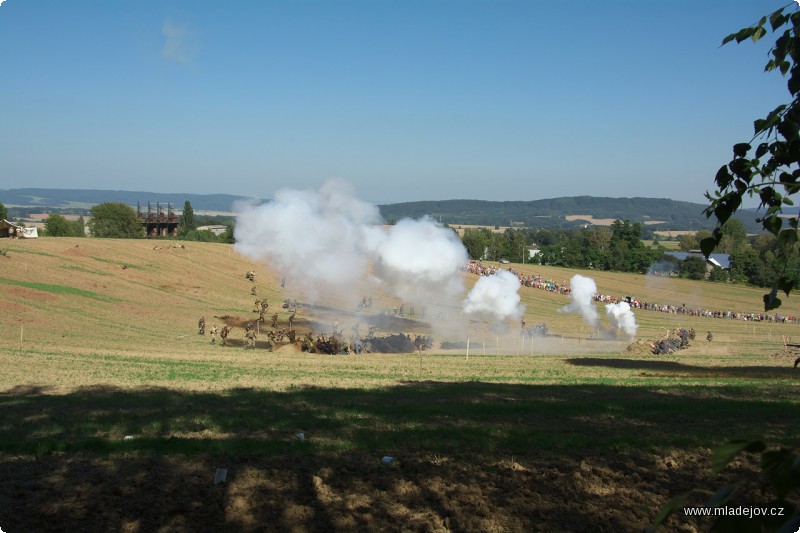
x=291, y=320
x=253, y=290
x=213, y=332
x=372, y=329
x=251, y=276
x=270, y=341
x=250, y=335
x=308, y=343
x=709, y=336
x=522, y=322
x=256, y=305
x=224, y=335
x=201, y=326
x=274, y=321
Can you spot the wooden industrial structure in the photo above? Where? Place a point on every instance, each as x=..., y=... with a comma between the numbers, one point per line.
x=159, y=223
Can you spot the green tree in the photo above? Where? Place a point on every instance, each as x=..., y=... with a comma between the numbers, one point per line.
x=3, y=212
x=718, y=274
x=734, y=236
x=228, y=235
x=78, y=227
x=691, y=241
x=475, y=241
x=769, y=170
x=746, y=266
x=57, y=226
x=693, y=267
x=516, y=245
x=115, y=220
x=188, y=217
x=495, y=244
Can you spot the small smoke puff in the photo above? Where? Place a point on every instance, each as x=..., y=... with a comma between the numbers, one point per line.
x=180, y=43
x=496, y=296
x=622, y=317
x=582, y=291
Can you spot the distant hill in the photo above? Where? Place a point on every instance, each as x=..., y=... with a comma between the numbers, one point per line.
x=670, y=214
x=77, y=198
x=657, y=213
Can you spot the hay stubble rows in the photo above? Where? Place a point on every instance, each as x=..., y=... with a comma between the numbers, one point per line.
x=99, y=342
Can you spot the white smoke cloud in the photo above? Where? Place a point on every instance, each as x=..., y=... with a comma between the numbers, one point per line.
x=329, y=244
x=582, y=291
x=314, y=237
x=418, y=258
x=496, y=295
x=622, y=317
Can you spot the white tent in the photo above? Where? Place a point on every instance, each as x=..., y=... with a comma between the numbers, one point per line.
x=28, y=233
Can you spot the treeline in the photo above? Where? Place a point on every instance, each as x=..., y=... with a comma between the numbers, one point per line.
x=619, y=248
x=120, y=221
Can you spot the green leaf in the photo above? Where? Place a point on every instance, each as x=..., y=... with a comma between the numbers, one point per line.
x=762, y=149
x=776, y=19
x=707, y=245
x=741, y=149
x=777, y=465
x=723, y=177
x=724, y=454
x=759, y=33
x=771, y=300
x=670, y=507
x=722, y=495
x=787, y=238
x=744, y=34
x=785, y=284
x=772, y=224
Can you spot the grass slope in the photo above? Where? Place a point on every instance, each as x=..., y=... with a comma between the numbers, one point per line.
x=99, y=343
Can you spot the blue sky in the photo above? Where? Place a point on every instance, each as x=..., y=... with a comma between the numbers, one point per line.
x=408, y=100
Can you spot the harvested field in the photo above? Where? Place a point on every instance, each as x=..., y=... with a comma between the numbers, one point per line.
x=117, y=413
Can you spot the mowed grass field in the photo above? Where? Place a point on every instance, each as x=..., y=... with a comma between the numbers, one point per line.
x=116, y=413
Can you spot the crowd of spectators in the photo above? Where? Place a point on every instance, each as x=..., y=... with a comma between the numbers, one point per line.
x=538, y=282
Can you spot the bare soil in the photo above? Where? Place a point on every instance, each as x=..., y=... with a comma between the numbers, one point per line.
x=302, y=492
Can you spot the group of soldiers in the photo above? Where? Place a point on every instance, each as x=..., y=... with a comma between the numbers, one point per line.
x=401, y=310
x=333, y=342
x=223, y=334
x=538, y=330
x=678, y=339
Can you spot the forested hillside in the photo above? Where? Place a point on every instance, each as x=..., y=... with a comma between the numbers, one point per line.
x=78, y=198
x=655, y=213
x=672, y=215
